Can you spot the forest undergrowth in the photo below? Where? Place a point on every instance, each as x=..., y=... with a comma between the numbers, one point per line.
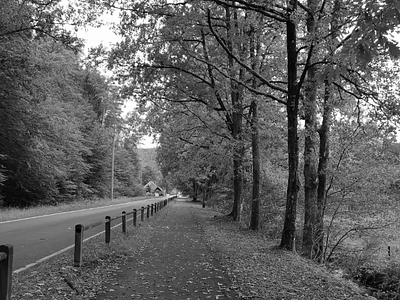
x=363, y=244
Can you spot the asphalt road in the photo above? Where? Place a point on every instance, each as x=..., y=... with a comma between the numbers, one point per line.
x=38, y=237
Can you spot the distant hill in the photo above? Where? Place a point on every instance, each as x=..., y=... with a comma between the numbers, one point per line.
x=148, y=157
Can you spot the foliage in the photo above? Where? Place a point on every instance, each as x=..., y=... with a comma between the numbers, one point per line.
x=55, y=114
x=150, y=170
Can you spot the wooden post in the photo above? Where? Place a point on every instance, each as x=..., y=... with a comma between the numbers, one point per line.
x=152, y=209
x=6, y=261
x=142, y=214
x=108, y=230
x=78, y=245
x=148, y=211
x=124, y=222
x=134, y=216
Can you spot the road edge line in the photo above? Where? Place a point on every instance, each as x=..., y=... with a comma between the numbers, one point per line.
x=68, y=212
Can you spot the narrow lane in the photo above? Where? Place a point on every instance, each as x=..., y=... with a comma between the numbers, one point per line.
x=35, y=238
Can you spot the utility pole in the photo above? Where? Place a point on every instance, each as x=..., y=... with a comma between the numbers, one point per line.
x=112, y=167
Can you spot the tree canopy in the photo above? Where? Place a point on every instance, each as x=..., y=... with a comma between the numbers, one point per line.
x=273, y=110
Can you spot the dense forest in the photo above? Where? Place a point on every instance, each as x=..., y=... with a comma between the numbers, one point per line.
x=60, y=117
x=283, y=113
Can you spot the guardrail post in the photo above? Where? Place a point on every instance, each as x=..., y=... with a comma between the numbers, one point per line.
x=6, y=261
x=142, y=214
x=148, y=211
x=108, y=230
x=134, y=217
x=79, y=229
x=124, y=222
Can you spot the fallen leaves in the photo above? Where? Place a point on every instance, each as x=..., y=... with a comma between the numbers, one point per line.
x=260, y=270
x=213, y=259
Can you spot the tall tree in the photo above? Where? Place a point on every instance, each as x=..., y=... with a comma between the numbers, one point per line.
x=191, y=66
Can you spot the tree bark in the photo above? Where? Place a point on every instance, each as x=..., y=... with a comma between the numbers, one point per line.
x=255, y=145
x=237, y=117
x=238, y=155
x=195, y=190
x=292, y=107
x=324, y=137
x=255, y=138
x=311, y=237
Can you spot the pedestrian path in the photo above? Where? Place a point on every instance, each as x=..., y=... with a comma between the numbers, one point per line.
x=175, y=264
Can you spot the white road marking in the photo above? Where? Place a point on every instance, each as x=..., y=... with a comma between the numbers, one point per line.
x=68, y=212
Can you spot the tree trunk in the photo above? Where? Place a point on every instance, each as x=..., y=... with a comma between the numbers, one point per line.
x=255, y=47
x=206, y=192
x=237, y=116
x=203, y=203
x=195, y=190
x=237, y=158
x=311, y=237
x=324, y=136
x=255, y=204
x=292, y=107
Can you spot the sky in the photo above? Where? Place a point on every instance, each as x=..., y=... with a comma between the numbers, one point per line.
x=93, y=37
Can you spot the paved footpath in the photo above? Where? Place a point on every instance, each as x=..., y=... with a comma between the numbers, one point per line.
x=175, y=264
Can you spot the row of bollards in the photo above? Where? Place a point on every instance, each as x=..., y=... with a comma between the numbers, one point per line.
x=79, y=228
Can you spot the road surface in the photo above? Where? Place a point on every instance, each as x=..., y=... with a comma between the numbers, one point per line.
x=38, y=237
